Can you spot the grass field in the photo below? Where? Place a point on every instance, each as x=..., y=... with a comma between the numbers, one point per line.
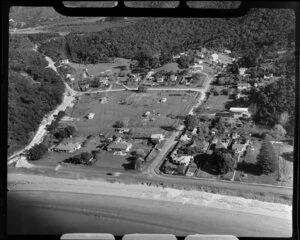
x=168, y=68
x=131, y=106
x=216, y=104
x=96, y=69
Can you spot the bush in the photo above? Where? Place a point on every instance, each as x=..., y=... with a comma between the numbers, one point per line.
x=142, y=88
x=70, y=130
x=216, y=93
x=82, y=158
x=119, y=124
x=37, y=151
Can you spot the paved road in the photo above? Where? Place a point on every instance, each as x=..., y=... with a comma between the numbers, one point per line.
x=51, y=212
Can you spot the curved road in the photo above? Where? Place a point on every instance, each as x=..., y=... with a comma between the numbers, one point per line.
x=51, y=212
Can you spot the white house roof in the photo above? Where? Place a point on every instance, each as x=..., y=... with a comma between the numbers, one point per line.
x=68, y=146
x=157, y=136
x=183, y=159
x=238, y=110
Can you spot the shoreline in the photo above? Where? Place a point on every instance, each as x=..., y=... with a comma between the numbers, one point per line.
x=28, y=182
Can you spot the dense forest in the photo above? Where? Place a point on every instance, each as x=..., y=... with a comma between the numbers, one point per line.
x=256, y=34
x=33, y=91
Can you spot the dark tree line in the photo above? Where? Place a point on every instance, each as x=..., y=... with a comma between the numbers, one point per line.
x=154, y=40
x=33, y=91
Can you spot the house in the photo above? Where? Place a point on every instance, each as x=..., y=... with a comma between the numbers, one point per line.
x=146, y=114
x=67, y=147
x=268, y=76
x=243, y=86
x=103, y=100
x=242, y=71
x=149, y=74
x=234, y=135
x=160, y=79
x=90, y=115
x=163, y=100
x=119, y=146
x=194, y=132
x=64, y=61
x=124, y=130
x=173, y=78
x=198, y=61
x=196, y=68
x=176, y=56
x=238, y=148
x=158, y=137
x=239, y=112
x=185, y=138
x=222, y=144
x=183, y=160
x=227, y=51
x=214, y=140
x=215, y=57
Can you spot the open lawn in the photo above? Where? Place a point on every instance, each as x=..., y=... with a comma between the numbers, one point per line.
x=168, y=68
x=131, y=106
x=216, y=104
x=96, y=69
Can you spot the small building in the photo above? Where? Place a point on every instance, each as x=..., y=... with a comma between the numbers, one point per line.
x=222, y=144
x=176, y=57
x=90, y=115
x=149, y=74
x=240, y=112
x=103, y=100
x=234, y=135
x=147, y=114
x=163, y=100
x=243, y=86
x=185, y=138
x=227, y=51
x=68, y=147
x=124, y=130
x=173, y=78
x=64, y=61
x=215, y=57
x=214, y=140
x=242, y=71
x=119, y=146
x=183, y=160
x=238, y=148
x=160, y=79
x=158, y=137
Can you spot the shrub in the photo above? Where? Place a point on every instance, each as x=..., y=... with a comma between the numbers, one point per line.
x=82, y=158
x=142, y=88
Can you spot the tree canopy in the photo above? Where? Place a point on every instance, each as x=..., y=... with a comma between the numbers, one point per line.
x=267, y=158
